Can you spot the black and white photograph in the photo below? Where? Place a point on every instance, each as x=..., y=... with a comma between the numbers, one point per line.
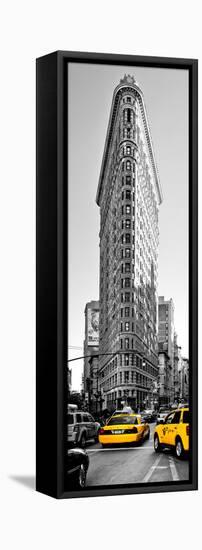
x=100, y=227
x=127, y=395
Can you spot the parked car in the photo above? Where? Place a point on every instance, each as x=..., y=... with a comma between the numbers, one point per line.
x=124, y=428
x=173, y=432
x=155, y=414
x=81, y=427
x=77, y=463
x=162, y=413
x=149, y=415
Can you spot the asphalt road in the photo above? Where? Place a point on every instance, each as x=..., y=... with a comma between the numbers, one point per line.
x=141, y=464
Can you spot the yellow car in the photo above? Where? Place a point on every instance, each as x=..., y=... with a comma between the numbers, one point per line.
x=124, y=428
x=173, y=432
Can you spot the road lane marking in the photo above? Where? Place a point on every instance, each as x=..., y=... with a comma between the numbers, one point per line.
x=173, y=469
x=151, y=470
x=119, y=449
x=160, y=467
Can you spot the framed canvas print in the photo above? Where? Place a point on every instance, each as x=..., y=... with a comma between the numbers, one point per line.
x=116, y=274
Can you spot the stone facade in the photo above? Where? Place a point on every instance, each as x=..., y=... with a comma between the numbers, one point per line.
x=184, y=380
x=90, y=371
x=164, y=379
x=166, y=336
x=177, y=369
x=129, y=197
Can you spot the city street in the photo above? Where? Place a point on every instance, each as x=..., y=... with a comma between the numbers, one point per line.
x=141, y=464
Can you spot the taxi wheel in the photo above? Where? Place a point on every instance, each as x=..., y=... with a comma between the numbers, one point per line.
x=157, y=445
x=179, y=449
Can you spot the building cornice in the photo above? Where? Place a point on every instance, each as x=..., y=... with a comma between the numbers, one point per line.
x=131, y=85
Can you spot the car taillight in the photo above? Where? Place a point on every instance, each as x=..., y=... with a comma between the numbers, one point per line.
x=187, y=430
x=101, y=431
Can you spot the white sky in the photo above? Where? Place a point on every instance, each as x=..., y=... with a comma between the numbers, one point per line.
x=90, y=90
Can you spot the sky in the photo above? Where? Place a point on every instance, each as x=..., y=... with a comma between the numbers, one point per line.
x=90, y=91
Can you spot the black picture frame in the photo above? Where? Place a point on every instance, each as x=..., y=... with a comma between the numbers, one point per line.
x=51, y=271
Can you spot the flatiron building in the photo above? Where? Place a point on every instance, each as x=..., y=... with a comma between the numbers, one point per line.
x=129, y=196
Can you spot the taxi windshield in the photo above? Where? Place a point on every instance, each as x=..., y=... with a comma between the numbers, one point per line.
x=122, y=420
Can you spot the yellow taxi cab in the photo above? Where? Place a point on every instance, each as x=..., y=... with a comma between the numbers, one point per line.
x=124, y=428
x=173, y=432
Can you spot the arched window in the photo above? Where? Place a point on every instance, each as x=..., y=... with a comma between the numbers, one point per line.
x=125, y=115
x=128, y=115
x=128, y=165
x=127, y=252
x=128, y=180
x=129, y=112
x=126, y=343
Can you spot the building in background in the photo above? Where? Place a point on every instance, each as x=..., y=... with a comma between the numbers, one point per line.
x=91, y=348
x=177, y=369
x=184, y=380
x=164, y=378
x=69, y=379
x=129, y=196
x=95, y=397
x=166, y=347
